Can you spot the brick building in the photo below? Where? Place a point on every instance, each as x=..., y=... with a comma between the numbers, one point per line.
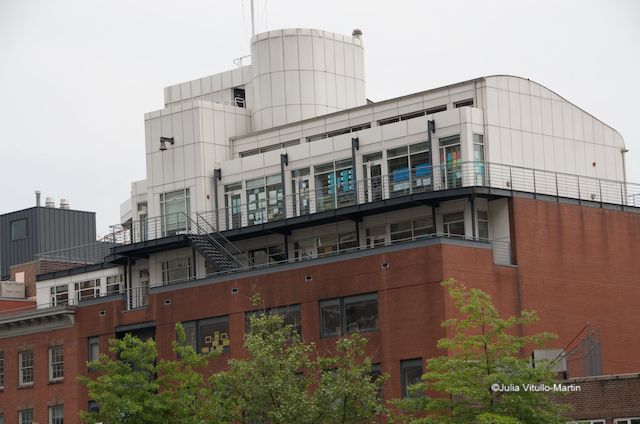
x=280, y=178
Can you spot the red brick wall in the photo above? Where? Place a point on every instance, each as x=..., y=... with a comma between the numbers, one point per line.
x=575, y=264
x=607, y=397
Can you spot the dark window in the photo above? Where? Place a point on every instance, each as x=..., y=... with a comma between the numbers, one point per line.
x=18, y=229
x=208, y=335
x=290, y=314
x=453, y=224
x=93, y=406
x=410, y=374
x=436, y=109
x=468, y=102
x=239, y=97
x=93, y=348
x=349, y=315
x=1, y=371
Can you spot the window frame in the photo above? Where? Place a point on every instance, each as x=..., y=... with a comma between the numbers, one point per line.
x=169, y=227
x=113, y=281
x=446, y=224
x=626, y=420
x=22, y=368
x=89, y=292
x=91, y=342
x=343, y=303
x=166, y=269
x=56, y=414
x=21, y=413
x=56, y=363
x=12, y=231
x=198, y=323
x=405, y=364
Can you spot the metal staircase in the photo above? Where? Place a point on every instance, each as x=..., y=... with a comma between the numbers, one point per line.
x=213, y=246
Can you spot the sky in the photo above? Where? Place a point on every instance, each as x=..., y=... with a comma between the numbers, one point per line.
x=77, y=76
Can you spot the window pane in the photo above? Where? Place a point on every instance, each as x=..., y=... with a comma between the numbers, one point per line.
x=213, y=335
x=93, y=348
x=411, y=373
x=361, y=313
x=190, y=334
x=330, y=318
x=19, y=229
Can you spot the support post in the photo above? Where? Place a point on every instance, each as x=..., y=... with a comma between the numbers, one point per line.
x=472, y=200
x=355, y=145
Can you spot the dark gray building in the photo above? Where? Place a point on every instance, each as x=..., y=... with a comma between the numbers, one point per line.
x=25, y=233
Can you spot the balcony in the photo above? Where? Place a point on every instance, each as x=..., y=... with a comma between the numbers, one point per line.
x=404, y=188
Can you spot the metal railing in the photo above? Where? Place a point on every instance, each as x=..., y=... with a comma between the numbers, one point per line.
x=273, y=206
x=86, y=254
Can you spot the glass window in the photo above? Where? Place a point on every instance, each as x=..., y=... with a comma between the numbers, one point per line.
x=59, y=295
x=305, y=249
x=93, y=348
x=349, y=315
x=334, y=185
x=331, y=323
x=462, y=103
x=25, y=364
x=208, y=335
x=409, y=169
x=267, y=255
x=56, y=363
x=372, y=157
x=56, y=414
x=87, y=289
x=291, y=316
x=175, y=206
x=410, y=374
x=25, y=416
x=376, y=236
x=18, y=229
x=635, y=420
x=361, y=313
x=176, y=270
x=93, y=406
x=114, y=284
x=453, y=224
x=1, y=370
x=483, y=225
x=400, y=231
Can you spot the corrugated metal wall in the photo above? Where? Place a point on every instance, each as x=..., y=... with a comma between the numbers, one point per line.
x=48, y=229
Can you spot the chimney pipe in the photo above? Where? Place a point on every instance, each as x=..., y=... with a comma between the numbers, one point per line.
x=357, y=34
x=38, y=198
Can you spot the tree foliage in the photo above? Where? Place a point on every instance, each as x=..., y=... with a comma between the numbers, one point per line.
x=281, y=380
x=284, y=381
x=484, y=350
x=135, y=387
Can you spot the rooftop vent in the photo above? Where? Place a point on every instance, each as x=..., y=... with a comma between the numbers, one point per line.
x=50, y=202
x=356, y=33
x=38, y=198
x=64, y=203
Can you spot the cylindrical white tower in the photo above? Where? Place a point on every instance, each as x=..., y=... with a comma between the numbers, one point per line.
x=303, y=73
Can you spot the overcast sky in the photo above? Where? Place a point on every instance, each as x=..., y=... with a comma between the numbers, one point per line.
x=76, y=77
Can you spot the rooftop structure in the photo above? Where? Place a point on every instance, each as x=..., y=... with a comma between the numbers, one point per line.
x=280, y=178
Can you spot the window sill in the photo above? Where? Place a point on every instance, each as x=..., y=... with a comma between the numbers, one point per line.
x=57, y=381
x=25, y=386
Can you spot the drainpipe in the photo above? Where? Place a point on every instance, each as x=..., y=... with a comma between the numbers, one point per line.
x=284, y=161
x=217, y=176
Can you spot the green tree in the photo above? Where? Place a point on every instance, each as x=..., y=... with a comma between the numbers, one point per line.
x=483, y=351
x=284, y=381
x=135, y=387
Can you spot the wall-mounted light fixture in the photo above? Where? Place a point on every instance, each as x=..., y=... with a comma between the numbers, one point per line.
x=164, y=141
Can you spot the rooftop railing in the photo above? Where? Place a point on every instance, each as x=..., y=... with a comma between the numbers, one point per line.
x=269, y=204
